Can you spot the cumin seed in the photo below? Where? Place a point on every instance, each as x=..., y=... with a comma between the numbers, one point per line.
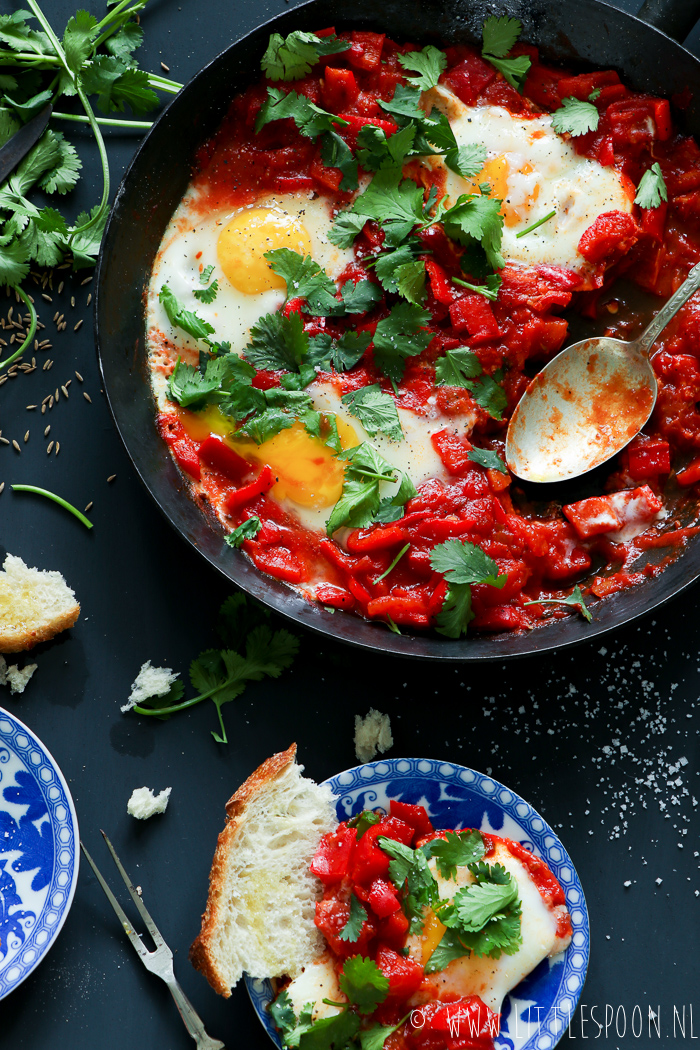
x=46, y=431
x=26, y=437
x=78, y=377
x=111, y=477
x=86, y=281
x=2, y=486
x=58, y=448
x=89, y=507
x=15, y=445
x=60, y=287
x=89, y=299
x=166, y=69
x=4, y=441
x=78, y=325
x=87, y=397
x=55, y=316
x=30, y=407
x=72, y=300
x=49, y=448
x=64, y=391
x=46, y=297
x=43, y=409
x=51, y=401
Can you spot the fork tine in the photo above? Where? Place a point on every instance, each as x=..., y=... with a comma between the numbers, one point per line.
x=141, y=907
x=127, y=926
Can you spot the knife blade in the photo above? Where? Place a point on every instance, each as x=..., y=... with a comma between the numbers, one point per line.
x=16, y=148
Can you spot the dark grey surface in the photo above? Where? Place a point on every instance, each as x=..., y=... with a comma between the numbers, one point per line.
x=592, y=737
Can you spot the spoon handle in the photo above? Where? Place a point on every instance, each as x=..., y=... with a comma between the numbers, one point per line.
x=669, y=310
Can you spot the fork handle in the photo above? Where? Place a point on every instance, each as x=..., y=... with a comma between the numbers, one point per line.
x=192, y=1020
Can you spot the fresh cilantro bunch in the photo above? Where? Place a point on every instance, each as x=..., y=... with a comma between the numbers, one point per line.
x=92, y=58
x=251, y=652
x=462, y=564
x=366, y=988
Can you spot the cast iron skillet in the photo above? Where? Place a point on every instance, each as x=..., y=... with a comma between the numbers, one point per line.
x=577, y=32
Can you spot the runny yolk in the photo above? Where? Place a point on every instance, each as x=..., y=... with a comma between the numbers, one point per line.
x=306, y=469
x=245, y=239
x=495, y=172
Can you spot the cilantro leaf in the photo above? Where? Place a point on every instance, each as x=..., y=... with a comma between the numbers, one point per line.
x=410, y=866
x=65, y=173
x=448, y=949
x=387, y=264
x=375, y=410
x=353, y=927
x=364, y=983
x=86, y=244
x=304, y=279
x=456, y=613
x=575, y=117
x=277, y=343
x=205, y=275
x=335, y=153
x=400, y=336
x=207, y=295
x=360, y=297
x=364, y=820
x=338, y=1030
x=391, y=508
x=651, y=190
x=195, y=326
x=393, y=201
x=455, y=850
x=247, y=530
x=118, y=85
x=42, y=157
x=189, y=386
x=487, y=459
x=457, y=367
x=292, y=57
x=574, y=599
x=428, y=64
x=282, y=1013
x=342, y=354
x=375, y=149
x=463, y=562
x=346, y=228
x=128, y=39
x=410, y=281
x=500, y=34
x=477, y=218
x=515, y=70
x=476, y=905
x=77, y=39
x=309, y=118
x=14, y=263
x=375, y=1037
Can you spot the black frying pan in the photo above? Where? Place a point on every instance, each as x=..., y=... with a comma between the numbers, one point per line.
x=576, y=32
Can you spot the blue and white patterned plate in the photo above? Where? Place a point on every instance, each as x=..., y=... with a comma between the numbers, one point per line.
x=535, y=1015
x=39, y=844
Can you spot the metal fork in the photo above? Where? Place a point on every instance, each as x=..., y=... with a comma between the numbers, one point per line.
x=160, y=961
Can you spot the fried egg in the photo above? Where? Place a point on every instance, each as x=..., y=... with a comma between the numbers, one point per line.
x=234, y=243
x=533, y=171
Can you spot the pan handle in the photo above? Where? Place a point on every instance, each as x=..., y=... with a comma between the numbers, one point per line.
x=674, y=17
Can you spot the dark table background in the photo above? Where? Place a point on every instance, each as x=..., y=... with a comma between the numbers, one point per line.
x=602, y=739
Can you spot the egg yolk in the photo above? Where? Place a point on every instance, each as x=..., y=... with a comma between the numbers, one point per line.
x=245, y=239
x=495, y=172
x=306, y=469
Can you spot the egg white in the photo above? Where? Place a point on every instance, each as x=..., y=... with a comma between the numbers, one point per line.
x=576, y=188
x=190, y=246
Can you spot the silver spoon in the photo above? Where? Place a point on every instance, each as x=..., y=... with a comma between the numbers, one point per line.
x=588, y=402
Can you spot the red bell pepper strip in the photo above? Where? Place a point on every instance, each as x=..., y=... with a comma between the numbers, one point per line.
x=215, y=453
x=649, y=459
x=239, y=497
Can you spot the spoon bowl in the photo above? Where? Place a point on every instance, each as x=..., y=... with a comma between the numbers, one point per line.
x=588, y=402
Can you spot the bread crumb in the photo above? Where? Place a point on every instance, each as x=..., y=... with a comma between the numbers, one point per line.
x=144, y=804
x=35, y=605
x=372, y=734
x=150, y=681
x=15, y=677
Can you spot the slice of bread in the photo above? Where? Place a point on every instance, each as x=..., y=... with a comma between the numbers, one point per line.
x=262, y=896
x=35, y=605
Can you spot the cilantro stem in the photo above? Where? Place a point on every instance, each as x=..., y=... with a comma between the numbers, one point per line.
x=111, y=122
x=539, y=222
x=394, y=563
x=163, y=84
x=102, y=207
x=30, y=334
x=158, y=711
x=56, y=499
x=371, y=474
x=480, y=289
x=115, y=19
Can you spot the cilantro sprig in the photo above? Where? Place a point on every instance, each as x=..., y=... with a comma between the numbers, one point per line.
x=293, y=57
x=461, y=367
x=360, y=502
x=575, y=599
x=462, y=564
x=499, y=36
x=375, y=410
x=252, y=651
x=426, y=66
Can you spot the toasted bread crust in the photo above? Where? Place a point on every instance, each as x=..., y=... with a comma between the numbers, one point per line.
x=201, y=955
x=20, y=639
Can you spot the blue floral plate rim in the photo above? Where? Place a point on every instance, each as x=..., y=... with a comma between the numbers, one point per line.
x=556, y=985
x=27, y=935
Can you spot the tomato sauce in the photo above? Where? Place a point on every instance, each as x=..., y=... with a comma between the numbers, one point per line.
x=543, y=549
